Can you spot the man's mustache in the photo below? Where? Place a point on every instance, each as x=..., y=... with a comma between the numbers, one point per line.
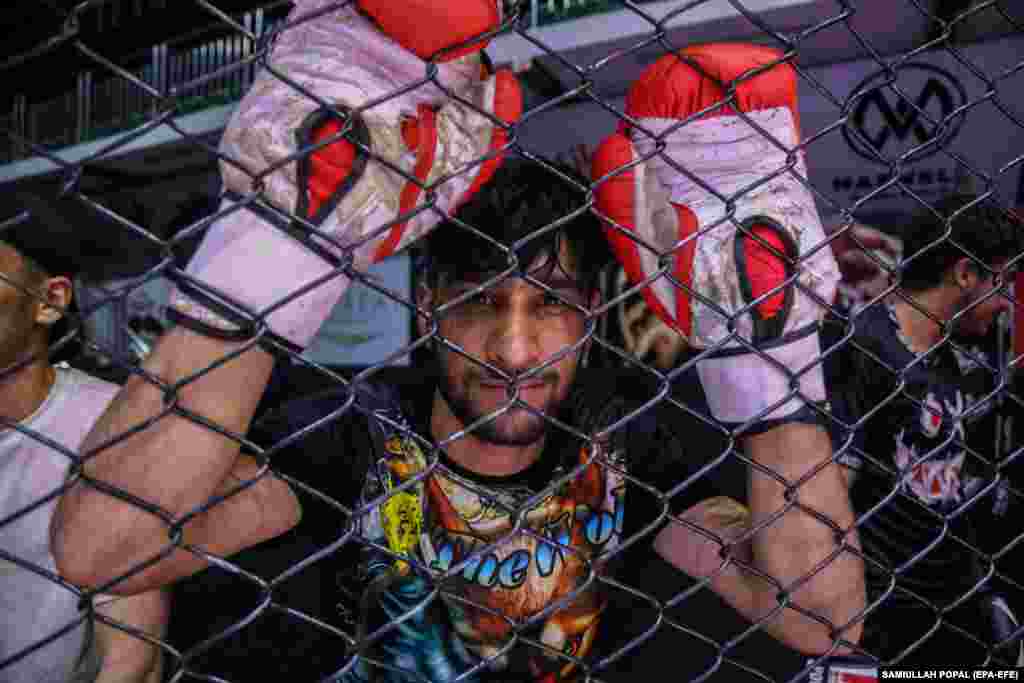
x=546, y=377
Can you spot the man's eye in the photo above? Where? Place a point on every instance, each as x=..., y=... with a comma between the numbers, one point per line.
x=556, y=303
x=480, y=299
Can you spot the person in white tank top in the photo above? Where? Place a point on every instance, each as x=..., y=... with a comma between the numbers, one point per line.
x=45, y=412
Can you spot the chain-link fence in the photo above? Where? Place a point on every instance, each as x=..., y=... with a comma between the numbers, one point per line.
x=578, y=362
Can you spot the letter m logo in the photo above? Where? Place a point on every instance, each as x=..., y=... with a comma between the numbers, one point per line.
x=915, y=115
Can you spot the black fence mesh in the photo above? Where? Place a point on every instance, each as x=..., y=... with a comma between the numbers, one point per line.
x=328, y=517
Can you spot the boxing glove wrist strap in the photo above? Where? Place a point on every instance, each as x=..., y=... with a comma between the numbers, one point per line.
x=230, y=315
x=742, y=385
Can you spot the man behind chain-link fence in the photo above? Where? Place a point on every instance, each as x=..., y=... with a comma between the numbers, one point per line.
x=41, y=400
x=915, y=441
x=520, y=522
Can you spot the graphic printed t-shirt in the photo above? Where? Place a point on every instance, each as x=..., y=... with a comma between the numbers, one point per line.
x=916, y=446
x=33, y=607
x=504, y=577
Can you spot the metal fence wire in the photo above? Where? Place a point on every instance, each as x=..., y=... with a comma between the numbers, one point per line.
x=379, y=580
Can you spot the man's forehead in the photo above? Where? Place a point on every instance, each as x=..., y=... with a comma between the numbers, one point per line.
x=544, y=268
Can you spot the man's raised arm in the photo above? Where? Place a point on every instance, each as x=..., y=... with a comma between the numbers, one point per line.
x=709, y=184
x=174, y=463
x=279, y=252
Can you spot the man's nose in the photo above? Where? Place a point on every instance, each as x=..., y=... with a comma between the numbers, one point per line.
x=514, y=344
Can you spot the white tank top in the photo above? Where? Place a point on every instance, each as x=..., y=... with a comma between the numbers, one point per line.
x=34, y=608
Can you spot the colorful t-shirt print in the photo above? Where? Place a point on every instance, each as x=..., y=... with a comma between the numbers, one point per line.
x=516, y=553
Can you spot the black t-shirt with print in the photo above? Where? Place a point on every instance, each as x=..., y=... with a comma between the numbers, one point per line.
x=662, y=447
x=911, y=457
x=665, y=444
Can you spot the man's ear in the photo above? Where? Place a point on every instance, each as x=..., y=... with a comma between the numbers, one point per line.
x=56, y=294
x=966, y=274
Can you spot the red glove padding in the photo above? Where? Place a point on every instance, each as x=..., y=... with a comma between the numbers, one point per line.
x=722, y=211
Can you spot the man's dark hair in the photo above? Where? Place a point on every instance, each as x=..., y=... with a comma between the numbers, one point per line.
x=44, y=249
x=521, y=199
x=49, y=250
x=977, y=229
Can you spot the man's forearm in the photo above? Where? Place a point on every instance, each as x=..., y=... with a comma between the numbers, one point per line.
x=174, y=463
x=727, y=522
x=125, y=657
x=811, y=549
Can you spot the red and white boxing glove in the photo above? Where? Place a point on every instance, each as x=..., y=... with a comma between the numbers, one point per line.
x=738, y=229
x=342, y=73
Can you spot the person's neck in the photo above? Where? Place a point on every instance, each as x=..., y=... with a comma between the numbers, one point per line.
x=22, y=392
x=920, y=323
x=475, y=454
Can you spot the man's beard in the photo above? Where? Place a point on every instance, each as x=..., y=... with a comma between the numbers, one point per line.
x=531, y=427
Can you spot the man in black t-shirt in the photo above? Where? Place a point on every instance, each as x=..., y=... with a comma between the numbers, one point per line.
x=490, y=506
x=913, y=396
x=609, y=497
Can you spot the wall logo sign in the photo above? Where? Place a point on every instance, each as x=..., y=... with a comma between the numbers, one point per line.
x=914, y=123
